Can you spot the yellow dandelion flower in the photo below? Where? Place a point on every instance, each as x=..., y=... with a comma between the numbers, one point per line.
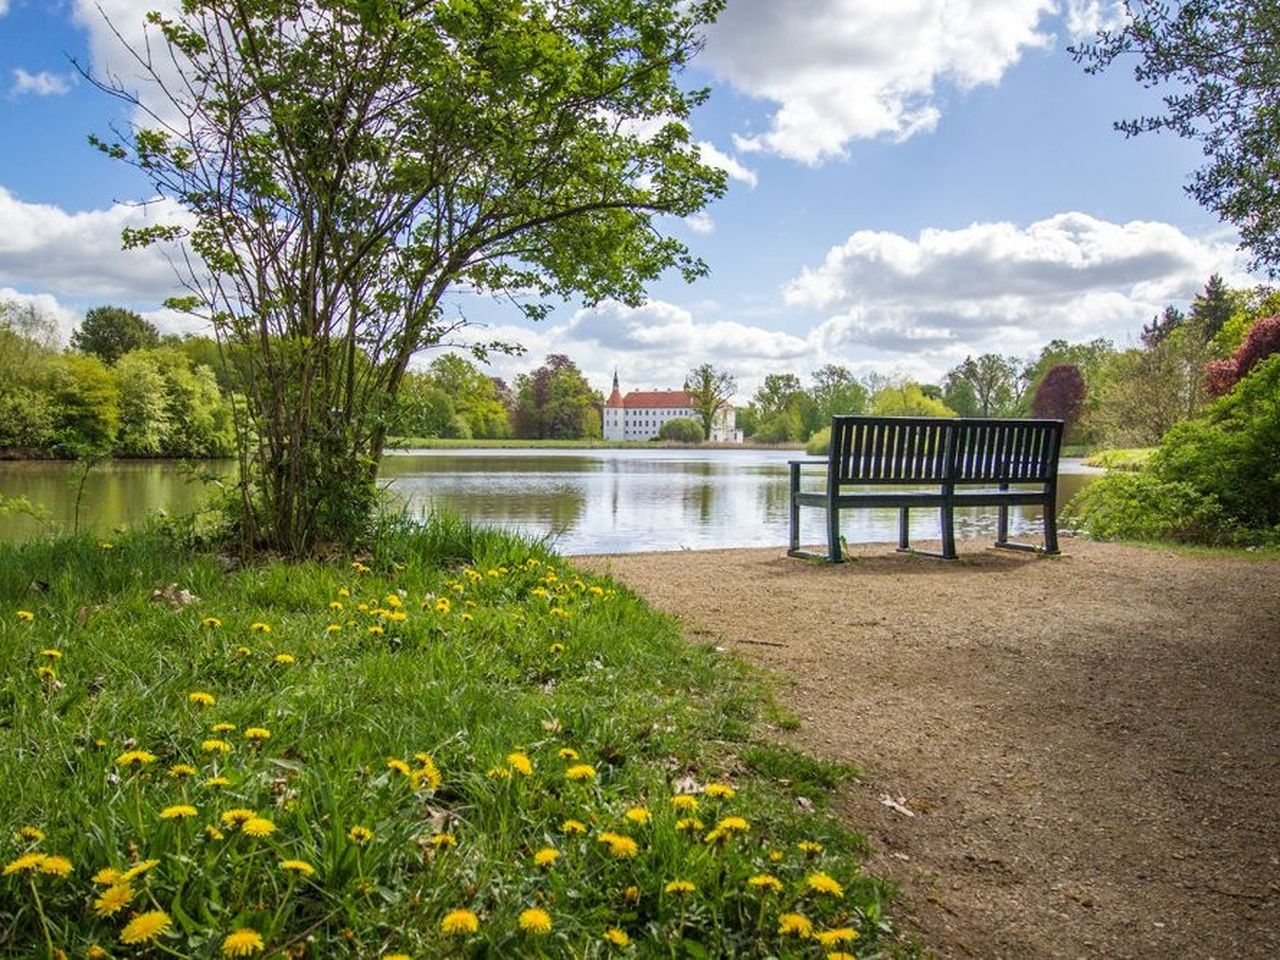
x=567, y=753
x=397, y=956
x=26, y=616
x=685, y=802
x=580, y=771
x=536, y=921
x=377, y=630
x=284, y=659
x=775, y=856
x=442, y=840
x=145, y=927
x=831, y=938
x=596, y=591
x=238, y=815
x=393, y=601
x=223, y=728
x=679, y=887
x=106, y=545
x=335, y=605
x=180, y=771
x=824, y=883
x=721, y=790
x=201, y=699
x=179, y=811
x=362, y=607
x=135, y=758
x=443, y=606
x=243, y=651
x=32, y=834
x=765, y=881
x=244, y=942
x=559, y=612
x=260, y=627
x=498, y=773
x=398, y=765
x=733, y=825
x=621, y=847
x=213, y=623
x=359, y=567
x=631, y=894
x=344, y=592
x=359, y=834
x=216, y=782
x=617, y=937
x=215, y=746
x=51, y=654
x=795, y=925
x=520, y=763
x=546, y=857
x=467, y=618
x=840, y=955
x=95, y=952
x=426, y=777
x=556, y=648
x=459, y=923
x=258, y=827
x=27, y=863
x=638, y=815
x=333, y=628
x=212, y=833
x=572, y=827
x=46, y=673
x=688, y=824
x=809, y=847
x=138, y=869
x=113, y=900
x=107, y=877
x=300, y=867
x=257, y=733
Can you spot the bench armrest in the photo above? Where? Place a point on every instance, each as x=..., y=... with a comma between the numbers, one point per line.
x=801, y=463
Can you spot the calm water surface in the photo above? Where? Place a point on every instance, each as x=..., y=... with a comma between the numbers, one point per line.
x=587, y=501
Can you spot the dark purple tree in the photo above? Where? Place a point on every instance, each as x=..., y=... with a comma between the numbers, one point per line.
x=1262, y=340
x=1060, y=395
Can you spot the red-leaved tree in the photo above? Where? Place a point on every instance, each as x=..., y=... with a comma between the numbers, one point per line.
x=1060, y=395
x=1262, y=340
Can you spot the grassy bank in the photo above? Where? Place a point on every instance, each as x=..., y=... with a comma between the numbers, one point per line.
x=459, y=746
x=436, y=443
x=1130, y=459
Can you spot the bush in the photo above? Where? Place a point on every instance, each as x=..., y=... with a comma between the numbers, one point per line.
x=819, y=444
x=682, y=430
x=1215, y=479
x=1262, y=340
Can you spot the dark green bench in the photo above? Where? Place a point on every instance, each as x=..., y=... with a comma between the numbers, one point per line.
x=969, y=462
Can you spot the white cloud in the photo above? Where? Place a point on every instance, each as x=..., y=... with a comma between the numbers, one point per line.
x=1085, y=18
x=42, y=84
x=843, y=70
x=4, y=7
x=700, y=222
x=713, y=156
x=997, y=286
x=46, y=304
x=79, y=254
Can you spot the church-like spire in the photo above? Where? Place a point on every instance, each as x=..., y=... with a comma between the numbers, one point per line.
x=615, y=398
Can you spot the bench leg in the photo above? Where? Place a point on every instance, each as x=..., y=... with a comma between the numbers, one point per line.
x=904, y=527
x=833, y=534
x=948, y=532
x=1002, y=521
x=1051, y=524
x=795, y=510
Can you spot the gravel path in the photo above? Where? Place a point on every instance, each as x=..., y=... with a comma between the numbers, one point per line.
x=1089, y=745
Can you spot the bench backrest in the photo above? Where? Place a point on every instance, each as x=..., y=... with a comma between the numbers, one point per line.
x=883, y=450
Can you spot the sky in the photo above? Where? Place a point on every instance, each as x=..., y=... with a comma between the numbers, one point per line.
x=911, y=182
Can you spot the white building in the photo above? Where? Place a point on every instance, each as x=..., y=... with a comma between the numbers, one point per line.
x=641, y=413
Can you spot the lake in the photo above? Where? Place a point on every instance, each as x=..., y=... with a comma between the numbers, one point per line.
x=586, y=501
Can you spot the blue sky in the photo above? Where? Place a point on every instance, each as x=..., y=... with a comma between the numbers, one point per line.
x=911, y=181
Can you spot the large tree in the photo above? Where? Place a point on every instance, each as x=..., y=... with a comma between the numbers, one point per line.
x=555, y=402
x=347, y=164
x=836, y=390
x=111, y=332
x=711, y=390
x=992, y=379
x=1218, y=63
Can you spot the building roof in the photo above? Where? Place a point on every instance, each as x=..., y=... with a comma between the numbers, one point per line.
x=656, y=398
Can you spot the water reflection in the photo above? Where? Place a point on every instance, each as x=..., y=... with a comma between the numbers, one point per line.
x=587, y=502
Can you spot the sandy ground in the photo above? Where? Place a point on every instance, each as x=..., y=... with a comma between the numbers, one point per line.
x=1089, y=745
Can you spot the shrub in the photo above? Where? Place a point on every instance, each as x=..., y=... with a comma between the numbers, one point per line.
x=1262, y=340
x=819, y=444
x=682, y=430
x=1213, y=479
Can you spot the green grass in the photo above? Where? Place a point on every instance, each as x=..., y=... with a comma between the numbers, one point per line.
x=502, y=650
x=1131, y=459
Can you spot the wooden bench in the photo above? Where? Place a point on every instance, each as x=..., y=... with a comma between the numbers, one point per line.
x=952, y=455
